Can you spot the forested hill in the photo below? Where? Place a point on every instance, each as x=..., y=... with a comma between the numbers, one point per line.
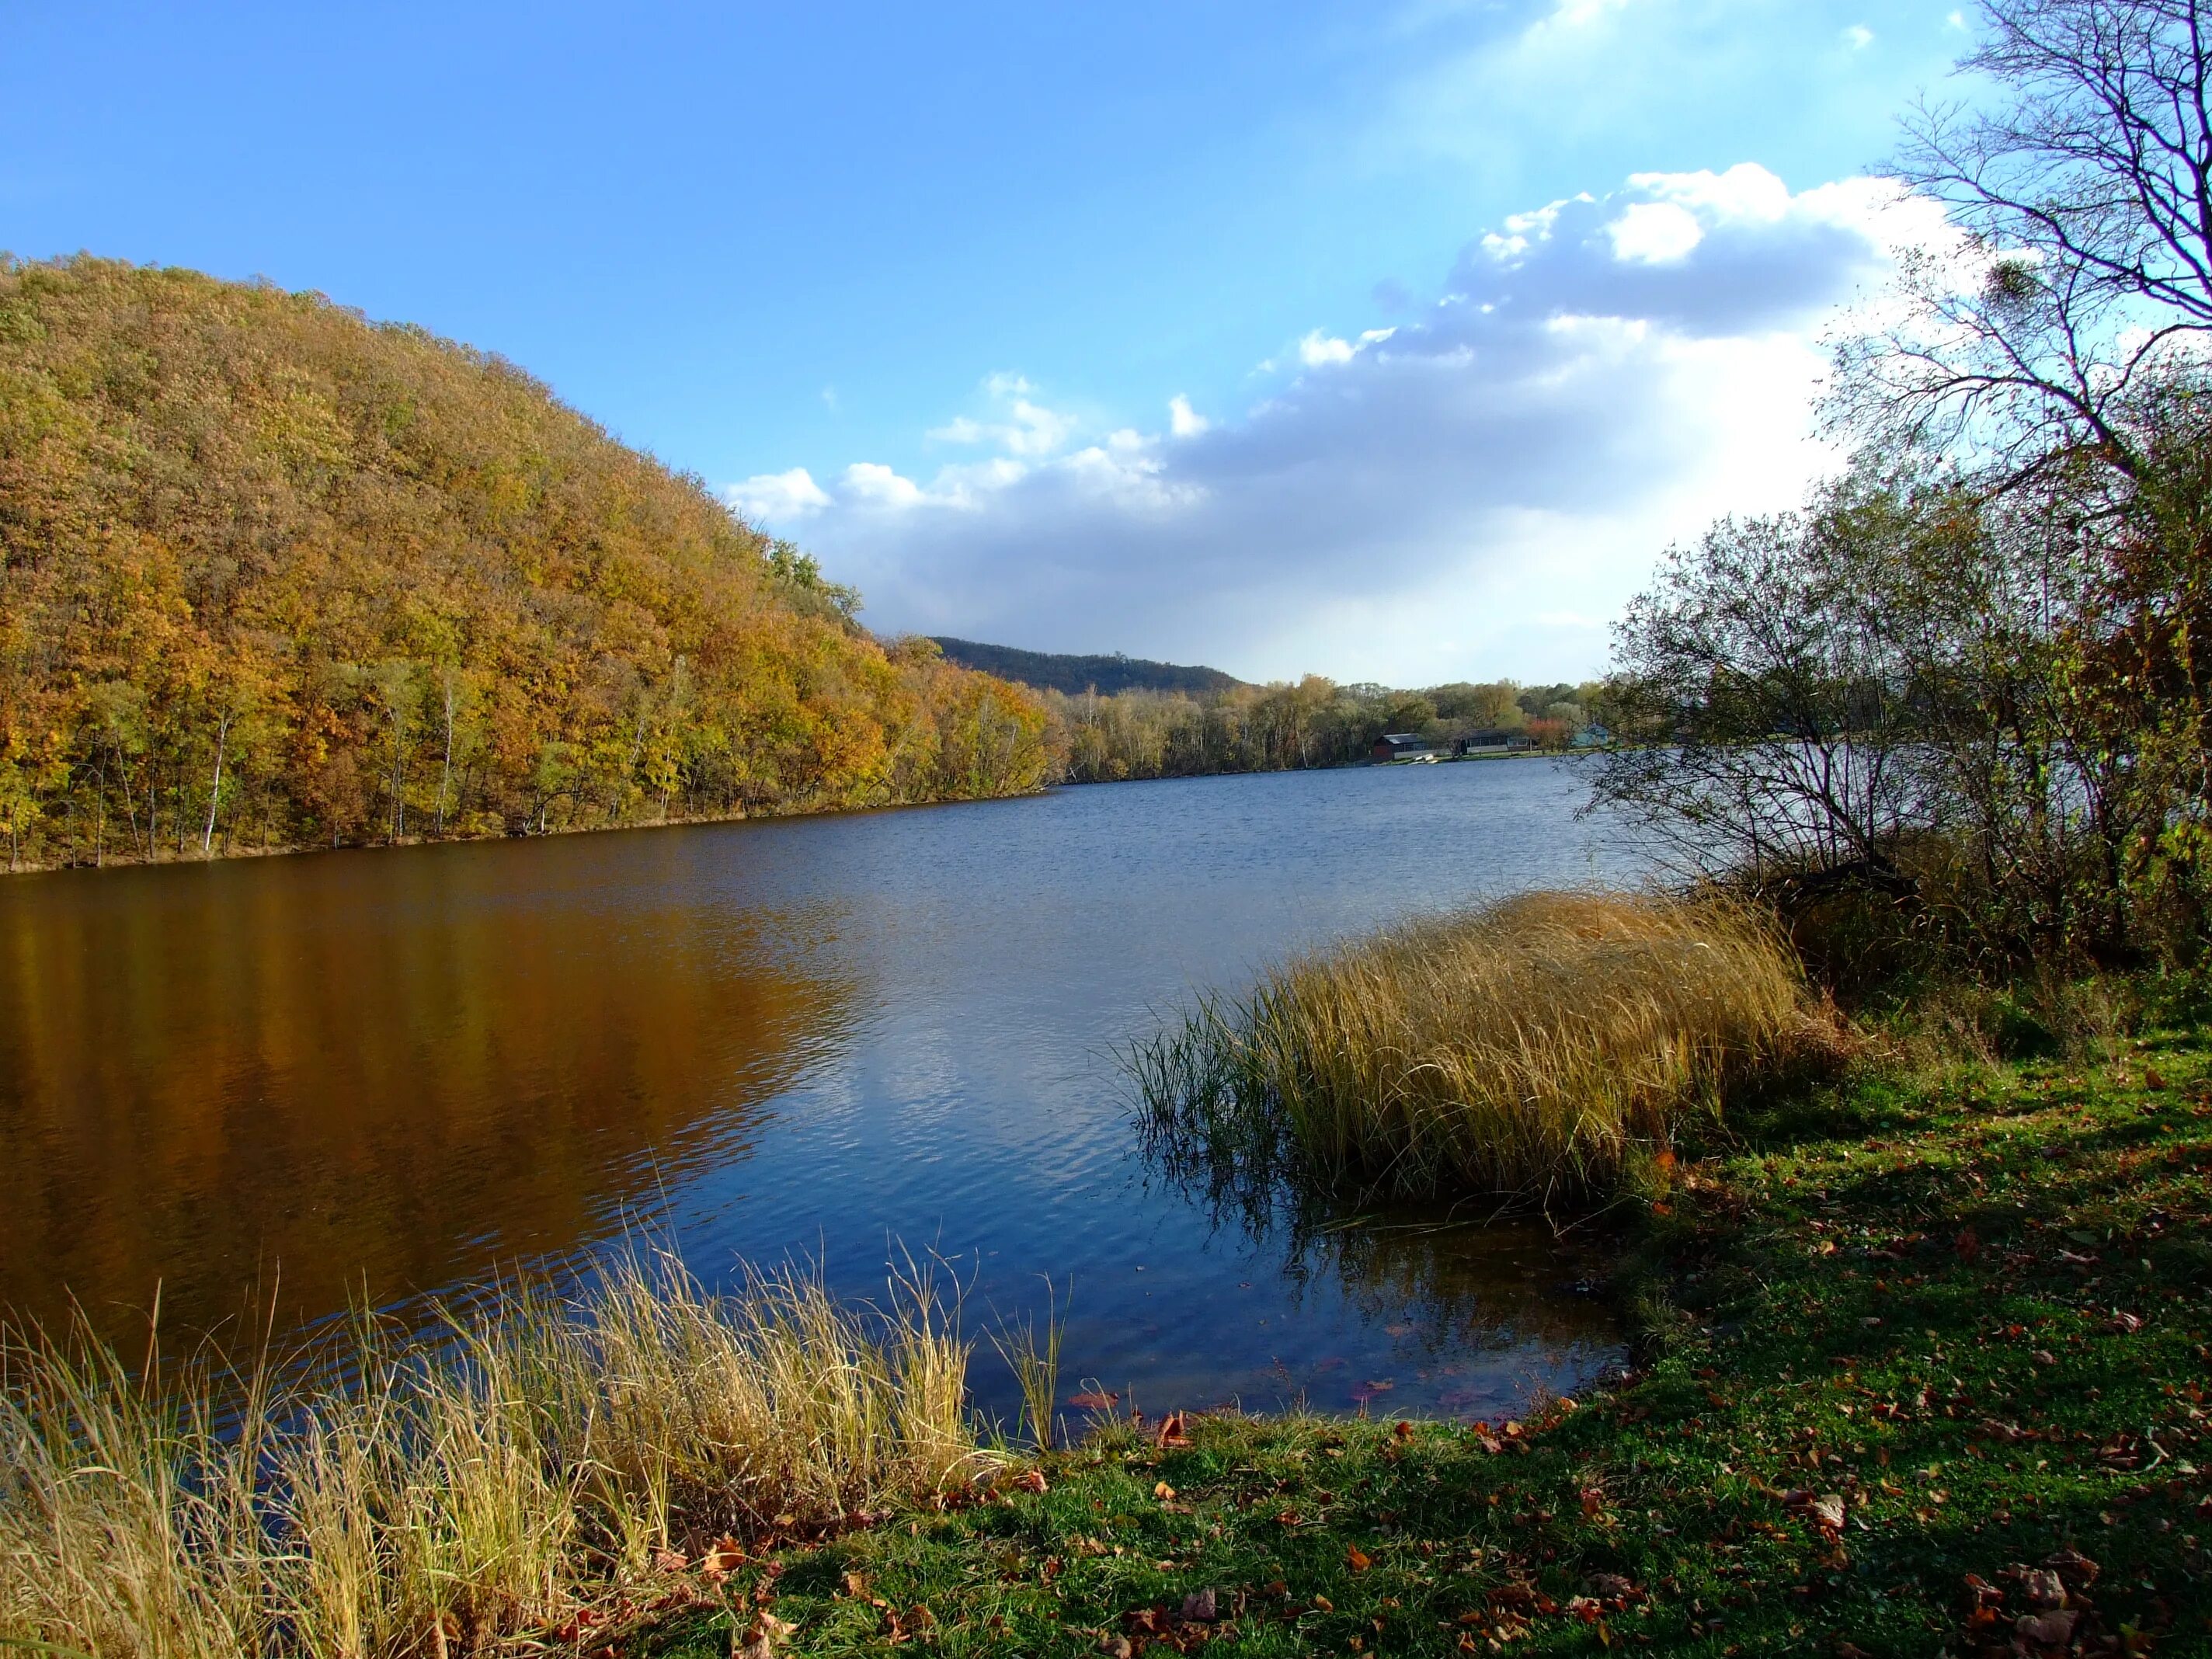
x=275, y=576
x=1049, y=672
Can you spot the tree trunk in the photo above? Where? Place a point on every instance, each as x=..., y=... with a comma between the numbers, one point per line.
x=445, y=775
x=214, y=788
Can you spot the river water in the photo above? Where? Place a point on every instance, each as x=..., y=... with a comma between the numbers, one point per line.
x=291, y=1081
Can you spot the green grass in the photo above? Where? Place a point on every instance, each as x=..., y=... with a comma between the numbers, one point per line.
x=1921, y=1297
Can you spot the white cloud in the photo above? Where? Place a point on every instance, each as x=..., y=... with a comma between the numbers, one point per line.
x=1597, y=378
x=1957, y=20
x=1021, y=426
x=872, y=484
x=1858, y=37
x=778, y=497
x=1318, y=348
x=1653, y=232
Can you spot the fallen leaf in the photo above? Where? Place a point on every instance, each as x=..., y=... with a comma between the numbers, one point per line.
x=1172, y=1431
x=2054, y=1629
x=667, y=1560
x=1356, y=1559
x=1095, y=1400
x=760, y=1637
x=1165, y=1492
x=1202, y=1606
x=723, y=1557
x=1031, y=1480
x=2072, y=1566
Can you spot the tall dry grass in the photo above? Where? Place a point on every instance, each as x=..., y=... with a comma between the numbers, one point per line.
x=1530, y=1045
x=461, y=1495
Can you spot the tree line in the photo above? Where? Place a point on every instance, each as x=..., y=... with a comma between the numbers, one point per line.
x=1312, y=722
x=1956, y=707
x=273, y=577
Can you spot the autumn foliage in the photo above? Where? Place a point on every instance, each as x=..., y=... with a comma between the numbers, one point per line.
x=273, y=575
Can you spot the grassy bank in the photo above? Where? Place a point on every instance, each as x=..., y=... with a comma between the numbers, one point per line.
x=1541, y=1045
x=1908, y=1340
x=524, y=1481
x=1922, y=1353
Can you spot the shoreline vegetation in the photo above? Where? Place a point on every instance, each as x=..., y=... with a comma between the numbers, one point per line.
x=1312, y=723
x=534, y=1467
x=1549, y=1046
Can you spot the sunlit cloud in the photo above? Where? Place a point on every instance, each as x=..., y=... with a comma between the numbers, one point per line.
x=1595, y=377
x=1183, y=421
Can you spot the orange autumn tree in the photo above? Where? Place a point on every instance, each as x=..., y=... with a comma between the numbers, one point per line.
x=274, y=576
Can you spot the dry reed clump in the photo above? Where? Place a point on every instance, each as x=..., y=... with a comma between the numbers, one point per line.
x=462, y=1495
x=1531, y=1044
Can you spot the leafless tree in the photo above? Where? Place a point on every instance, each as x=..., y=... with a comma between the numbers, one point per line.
x=2084, y=191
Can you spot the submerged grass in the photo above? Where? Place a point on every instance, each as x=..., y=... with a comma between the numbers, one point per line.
x=1537, y=1044
x=520, y=1480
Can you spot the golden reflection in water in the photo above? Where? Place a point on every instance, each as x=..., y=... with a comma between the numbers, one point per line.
x=387, y=1070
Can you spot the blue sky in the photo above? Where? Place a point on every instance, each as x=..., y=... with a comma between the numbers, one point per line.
x=1066, y=325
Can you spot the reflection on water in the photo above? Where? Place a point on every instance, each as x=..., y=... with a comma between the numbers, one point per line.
x=341, y=1072
x=828, y=1037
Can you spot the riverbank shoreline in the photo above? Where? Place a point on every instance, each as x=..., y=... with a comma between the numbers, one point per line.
x=166, y=860
x=1922, y=1370
x=767, y=815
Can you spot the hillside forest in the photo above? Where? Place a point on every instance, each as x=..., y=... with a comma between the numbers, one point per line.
x=273, y=575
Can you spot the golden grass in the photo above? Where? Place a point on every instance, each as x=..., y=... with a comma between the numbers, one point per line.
x=464, y=1495
x=1533, y=1045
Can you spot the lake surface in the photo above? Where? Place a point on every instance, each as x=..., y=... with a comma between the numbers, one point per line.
x=835, y=1038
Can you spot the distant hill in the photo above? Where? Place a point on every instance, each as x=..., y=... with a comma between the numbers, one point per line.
x=1053, y=672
